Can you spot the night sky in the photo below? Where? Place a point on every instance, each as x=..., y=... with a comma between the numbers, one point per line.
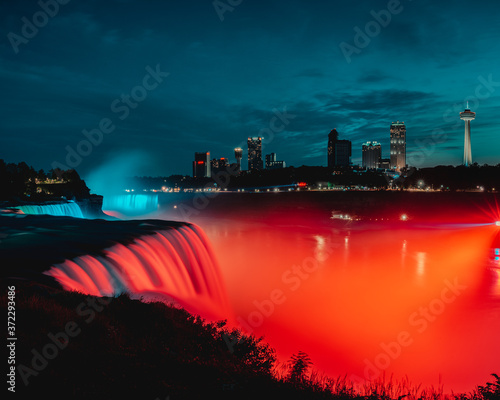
x=219, y=73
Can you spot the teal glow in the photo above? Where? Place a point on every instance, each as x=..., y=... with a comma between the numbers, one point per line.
x=70, y=209
x=131, y=203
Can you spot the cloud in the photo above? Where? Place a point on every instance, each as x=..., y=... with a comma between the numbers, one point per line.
x=311, y=73
x=226, y=78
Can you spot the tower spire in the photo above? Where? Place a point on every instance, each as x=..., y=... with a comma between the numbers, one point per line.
x=467, y=116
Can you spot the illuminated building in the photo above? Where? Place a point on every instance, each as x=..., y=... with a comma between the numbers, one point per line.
x=339, y=151
x=272, y=163
x=467, y=116
x=398, y=145
x=201, y=165
x=238, y=154
x=372, y=153
x=218, y=165
x=255, y=153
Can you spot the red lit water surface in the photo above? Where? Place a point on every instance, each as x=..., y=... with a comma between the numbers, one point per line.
x=364, y=298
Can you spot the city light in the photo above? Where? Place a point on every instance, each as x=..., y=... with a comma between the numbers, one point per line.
x=497, y=223
x=403, y=217
x=346, y=217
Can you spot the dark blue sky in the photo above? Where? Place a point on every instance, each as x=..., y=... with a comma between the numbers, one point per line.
x=229, y=69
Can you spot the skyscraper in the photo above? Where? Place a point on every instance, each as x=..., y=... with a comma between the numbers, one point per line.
x=339, y=151
x=398, y=145
x=218, y=165
x=372, y=153
x=201, y=165
x=467, y=116
x=255, y=153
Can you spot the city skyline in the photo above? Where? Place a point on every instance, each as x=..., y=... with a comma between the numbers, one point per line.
x=84, y=87
x=372, y=155
x=339, y=153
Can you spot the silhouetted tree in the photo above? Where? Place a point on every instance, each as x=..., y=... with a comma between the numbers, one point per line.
x=491, y=391
x=19, y=182
x=299, y=367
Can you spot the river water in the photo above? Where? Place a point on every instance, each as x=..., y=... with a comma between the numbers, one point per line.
x=403, y=286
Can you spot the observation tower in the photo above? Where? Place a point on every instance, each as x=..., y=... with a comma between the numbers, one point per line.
x=467, y=116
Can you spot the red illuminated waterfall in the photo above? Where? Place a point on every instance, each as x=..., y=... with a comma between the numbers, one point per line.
x=174, y=264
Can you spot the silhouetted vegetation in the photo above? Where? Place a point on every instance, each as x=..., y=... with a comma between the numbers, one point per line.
x=310, y=176
x=446, y=178
x=491, y=391
x=20, y=182
x=455, y=178
x=128, y=349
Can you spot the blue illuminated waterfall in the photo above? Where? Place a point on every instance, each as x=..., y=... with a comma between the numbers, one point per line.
x=69, y=209
x=131, y=203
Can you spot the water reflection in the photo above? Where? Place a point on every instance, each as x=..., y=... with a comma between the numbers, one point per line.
x=372, y=280
x=421, y=261
x=363, y=296
x=320, y=253
x=403, y=252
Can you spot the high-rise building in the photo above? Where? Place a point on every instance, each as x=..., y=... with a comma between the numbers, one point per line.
x=372, y=153
x=201, y=165
x=272, y=163
x=467, y=116
x=255, y=153
x=238, y=154
x=339, y=151
x=398, y=145
x=218, y=165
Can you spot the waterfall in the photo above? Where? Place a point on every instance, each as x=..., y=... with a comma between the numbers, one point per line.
x=131, y=203
x=69, y=209
x=172, y=264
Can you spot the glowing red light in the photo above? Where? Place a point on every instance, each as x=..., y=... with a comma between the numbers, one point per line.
x=302, y=184
x=192, y=277
x=201, y=162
